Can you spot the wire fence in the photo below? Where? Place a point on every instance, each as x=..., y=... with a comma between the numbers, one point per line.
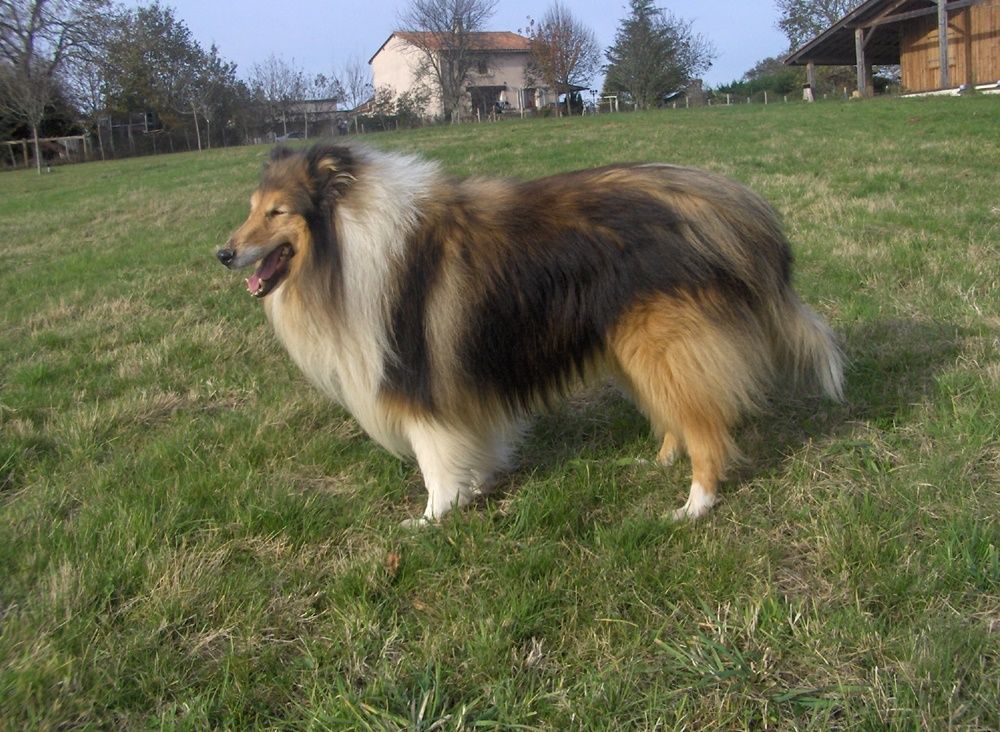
x=128, y=141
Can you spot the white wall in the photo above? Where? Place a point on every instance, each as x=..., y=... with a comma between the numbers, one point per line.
x=395, y=66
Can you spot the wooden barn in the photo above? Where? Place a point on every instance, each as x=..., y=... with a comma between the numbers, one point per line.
x=939, y=45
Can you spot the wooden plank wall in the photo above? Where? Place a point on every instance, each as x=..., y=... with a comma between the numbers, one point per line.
x=973, y=48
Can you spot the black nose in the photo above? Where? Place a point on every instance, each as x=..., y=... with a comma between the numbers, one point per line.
x=226, y=255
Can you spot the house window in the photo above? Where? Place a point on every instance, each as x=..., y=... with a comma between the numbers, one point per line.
x=482, y=68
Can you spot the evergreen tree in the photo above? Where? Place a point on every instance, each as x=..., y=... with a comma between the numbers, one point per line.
x=654, y=53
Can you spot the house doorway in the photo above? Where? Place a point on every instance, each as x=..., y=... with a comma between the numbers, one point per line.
x=485, y=99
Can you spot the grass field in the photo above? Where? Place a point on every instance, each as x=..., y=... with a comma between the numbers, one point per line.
x=190, y=537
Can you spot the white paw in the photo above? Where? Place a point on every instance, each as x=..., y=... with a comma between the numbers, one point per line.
x=415, y=524
x=698, y=503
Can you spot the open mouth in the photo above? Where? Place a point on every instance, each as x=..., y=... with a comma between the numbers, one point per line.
x=271, y=271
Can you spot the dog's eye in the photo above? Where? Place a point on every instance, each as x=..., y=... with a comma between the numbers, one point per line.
x=276, y=212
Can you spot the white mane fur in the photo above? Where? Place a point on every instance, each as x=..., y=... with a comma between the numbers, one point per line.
x=344, y=356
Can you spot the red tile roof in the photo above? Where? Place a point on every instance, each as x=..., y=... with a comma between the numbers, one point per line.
x=498, y=41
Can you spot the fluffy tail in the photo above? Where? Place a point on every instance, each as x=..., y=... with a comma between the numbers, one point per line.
x=812, y=349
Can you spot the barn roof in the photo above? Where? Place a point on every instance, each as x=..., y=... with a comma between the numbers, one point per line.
x=836, y=45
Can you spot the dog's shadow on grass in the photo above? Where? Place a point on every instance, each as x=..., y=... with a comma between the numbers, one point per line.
x=891, y=366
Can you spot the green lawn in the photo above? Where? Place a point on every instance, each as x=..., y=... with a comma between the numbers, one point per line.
x=190, y=537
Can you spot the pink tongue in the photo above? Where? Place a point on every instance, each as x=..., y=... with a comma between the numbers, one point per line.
x=265, y=271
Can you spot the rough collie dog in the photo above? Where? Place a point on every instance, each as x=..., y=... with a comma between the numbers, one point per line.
x=442, y=312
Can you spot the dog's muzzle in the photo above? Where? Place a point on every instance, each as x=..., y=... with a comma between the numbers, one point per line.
x=226, y=255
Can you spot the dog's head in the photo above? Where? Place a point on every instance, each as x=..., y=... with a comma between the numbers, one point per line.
x=291, y=212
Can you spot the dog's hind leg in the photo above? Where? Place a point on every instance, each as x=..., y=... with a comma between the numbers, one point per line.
x=671, y=444
x=710, y=448
x=703, y=431
x=691, y=379
x=670, y=448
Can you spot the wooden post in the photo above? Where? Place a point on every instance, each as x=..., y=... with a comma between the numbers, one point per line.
x=945, y=81
x=809, y=91
x=859, y=49
x=970, y=75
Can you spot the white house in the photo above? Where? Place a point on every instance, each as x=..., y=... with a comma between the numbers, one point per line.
x=500, y=74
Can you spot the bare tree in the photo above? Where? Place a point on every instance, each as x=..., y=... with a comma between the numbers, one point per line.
x=801, y=20
x=212, y=81
x=326, y=87
x=320, y=87
x=279, y=84
x=356, y=80
x=564, y=51
x=445, y=32
x=37, y=40
x=86, y=82
x=153, y=66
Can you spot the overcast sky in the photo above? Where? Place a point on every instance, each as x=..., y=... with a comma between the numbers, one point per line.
x=320, y=35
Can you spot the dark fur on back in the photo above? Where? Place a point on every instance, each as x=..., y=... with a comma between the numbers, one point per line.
x=546, y=287
x=408, y=371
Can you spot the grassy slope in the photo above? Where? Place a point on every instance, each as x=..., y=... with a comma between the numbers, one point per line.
x=189, y=536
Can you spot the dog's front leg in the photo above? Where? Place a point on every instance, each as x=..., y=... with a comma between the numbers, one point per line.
x=444, y=464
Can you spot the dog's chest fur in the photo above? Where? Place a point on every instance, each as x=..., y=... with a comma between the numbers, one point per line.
x=343, y=362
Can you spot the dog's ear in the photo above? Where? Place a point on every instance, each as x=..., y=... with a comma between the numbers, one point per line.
x=280, y=152
x=331, y=168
